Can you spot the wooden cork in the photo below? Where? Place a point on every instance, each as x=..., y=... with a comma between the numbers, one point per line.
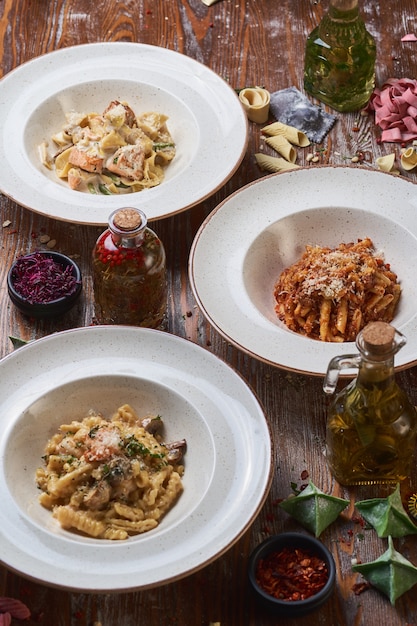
x=378, y=337
x=127, y=219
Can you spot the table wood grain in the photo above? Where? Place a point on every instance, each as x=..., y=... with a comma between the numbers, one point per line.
x=247, y=42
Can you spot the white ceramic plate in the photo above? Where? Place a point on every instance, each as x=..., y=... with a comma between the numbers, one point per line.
x=227, y=463
x=206, y=120
x=243, y=246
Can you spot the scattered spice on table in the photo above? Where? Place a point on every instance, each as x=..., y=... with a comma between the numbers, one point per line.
x=292, y=574
x=40, y=279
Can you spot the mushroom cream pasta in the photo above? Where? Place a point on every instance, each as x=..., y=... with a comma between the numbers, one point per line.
x=113, y=152
x=331, y=294
x=111, y=478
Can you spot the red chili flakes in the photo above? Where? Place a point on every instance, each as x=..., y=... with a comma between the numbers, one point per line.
x=304, y=475
x=359, y=588
x=292, y=574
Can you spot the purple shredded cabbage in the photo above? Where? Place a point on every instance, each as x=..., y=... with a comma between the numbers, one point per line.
x=39, y=279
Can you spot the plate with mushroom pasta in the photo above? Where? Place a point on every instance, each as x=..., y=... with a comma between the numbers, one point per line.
x=120, y=466
x=312, y=256
x=113, y=122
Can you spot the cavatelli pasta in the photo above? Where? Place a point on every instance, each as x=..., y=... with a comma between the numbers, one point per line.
x=109, y=479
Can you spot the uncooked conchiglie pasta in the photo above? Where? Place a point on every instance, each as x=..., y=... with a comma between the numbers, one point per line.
x=274, y=164
x=294, y=136
x=280, y=144
x=409, y=159
x=387, y=163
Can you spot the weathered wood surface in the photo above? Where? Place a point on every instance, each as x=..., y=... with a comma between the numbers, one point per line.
x=247, y=42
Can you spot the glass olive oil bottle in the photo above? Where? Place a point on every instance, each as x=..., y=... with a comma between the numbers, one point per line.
x=340, y=54
x=371, y=425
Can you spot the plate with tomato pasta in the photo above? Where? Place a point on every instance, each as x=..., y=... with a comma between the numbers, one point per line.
x=292, y=266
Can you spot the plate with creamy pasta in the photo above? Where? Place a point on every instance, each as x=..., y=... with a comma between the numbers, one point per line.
x=309, y=264
x=106, y=123
x=120, y=465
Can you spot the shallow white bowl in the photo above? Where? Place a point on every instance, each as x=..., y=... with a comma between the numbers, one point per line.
x=206, y=120
x=200, y=398
x=250, y=238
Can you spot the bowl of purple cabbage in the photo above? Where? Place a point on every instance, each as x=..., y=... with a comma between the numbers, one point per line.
x=44, y=284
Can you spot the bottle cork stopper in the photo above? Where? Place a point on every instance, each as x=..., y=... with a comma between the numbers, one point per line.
x=378, y=337
x=127, y=219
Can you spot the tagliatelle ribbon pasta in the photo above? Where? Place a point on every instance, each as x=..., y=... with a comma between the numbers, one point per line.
x=255, y=101
x=395, y=106
x=292, y=134
x=274, y=164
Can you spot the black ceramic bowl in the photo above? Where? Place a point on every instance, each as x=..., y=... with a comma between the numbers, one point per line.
x=276, y=544
x=52, y=308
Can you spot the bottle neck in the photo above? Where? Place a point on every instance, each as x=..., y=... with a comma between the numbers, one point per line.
x=127, y=227
x=376, y=372
x=344, y=10
x=344, y=5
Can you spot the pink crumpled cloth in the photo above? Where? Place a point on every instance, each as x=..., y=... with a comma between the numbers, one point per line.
x=9, y=607
x=395, y=106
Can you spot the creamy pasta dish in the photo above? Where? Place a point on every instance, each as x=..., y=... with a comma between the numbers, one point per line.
x=113, y=152
x=110, y=479
x=331, y=294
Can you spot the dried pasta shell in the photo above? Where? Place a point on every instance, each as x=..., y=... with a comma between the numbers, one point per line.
x=255, y=101
x=387, y=163
x=294, y=136
x=274, y=164
x=409, y=159
x=280, y=144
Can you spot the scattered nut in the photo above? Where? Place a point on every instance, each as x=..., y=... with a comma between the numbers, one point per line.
x=315, y=159
x=309, y=157
x=6, y=223
x=355, y=159
x=44, y=238
x=51, y=243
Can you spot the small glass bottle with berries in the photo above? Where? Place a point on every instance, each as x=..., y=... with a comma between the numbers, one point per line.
x=129, y=272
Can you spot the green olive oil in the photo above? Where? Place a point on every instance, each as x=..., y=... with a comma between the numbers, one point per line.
x=372, y=425
x=340, y=57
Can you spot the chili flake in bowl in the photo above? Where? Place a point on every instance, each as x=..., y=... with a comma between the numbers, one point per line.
x=44, y=284
x=292, y=573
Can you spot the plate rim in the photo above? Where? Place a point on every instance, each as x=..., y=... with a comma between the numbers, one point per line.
x=157, y=201
x=216, y=546
x=348, y=347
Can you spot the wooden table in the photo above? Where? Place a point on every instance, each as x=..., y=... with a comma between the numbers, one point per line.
x=247, y=42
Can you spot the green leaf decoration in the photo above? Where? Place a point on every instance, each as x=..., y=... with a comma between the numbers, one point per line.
x=17, y=342
x=387, y=515
x=313, y=508
x=391, y=573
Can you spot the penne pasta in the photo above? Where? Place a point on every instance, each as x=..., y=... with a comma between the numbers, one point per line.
x=274, y=164
x=292, y=134
x=331, y=294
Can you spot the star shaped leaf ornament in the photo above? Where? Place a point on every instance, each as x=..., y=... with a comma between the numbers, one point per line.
x=391, y=573
x=387, y=515
x=313, y=508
